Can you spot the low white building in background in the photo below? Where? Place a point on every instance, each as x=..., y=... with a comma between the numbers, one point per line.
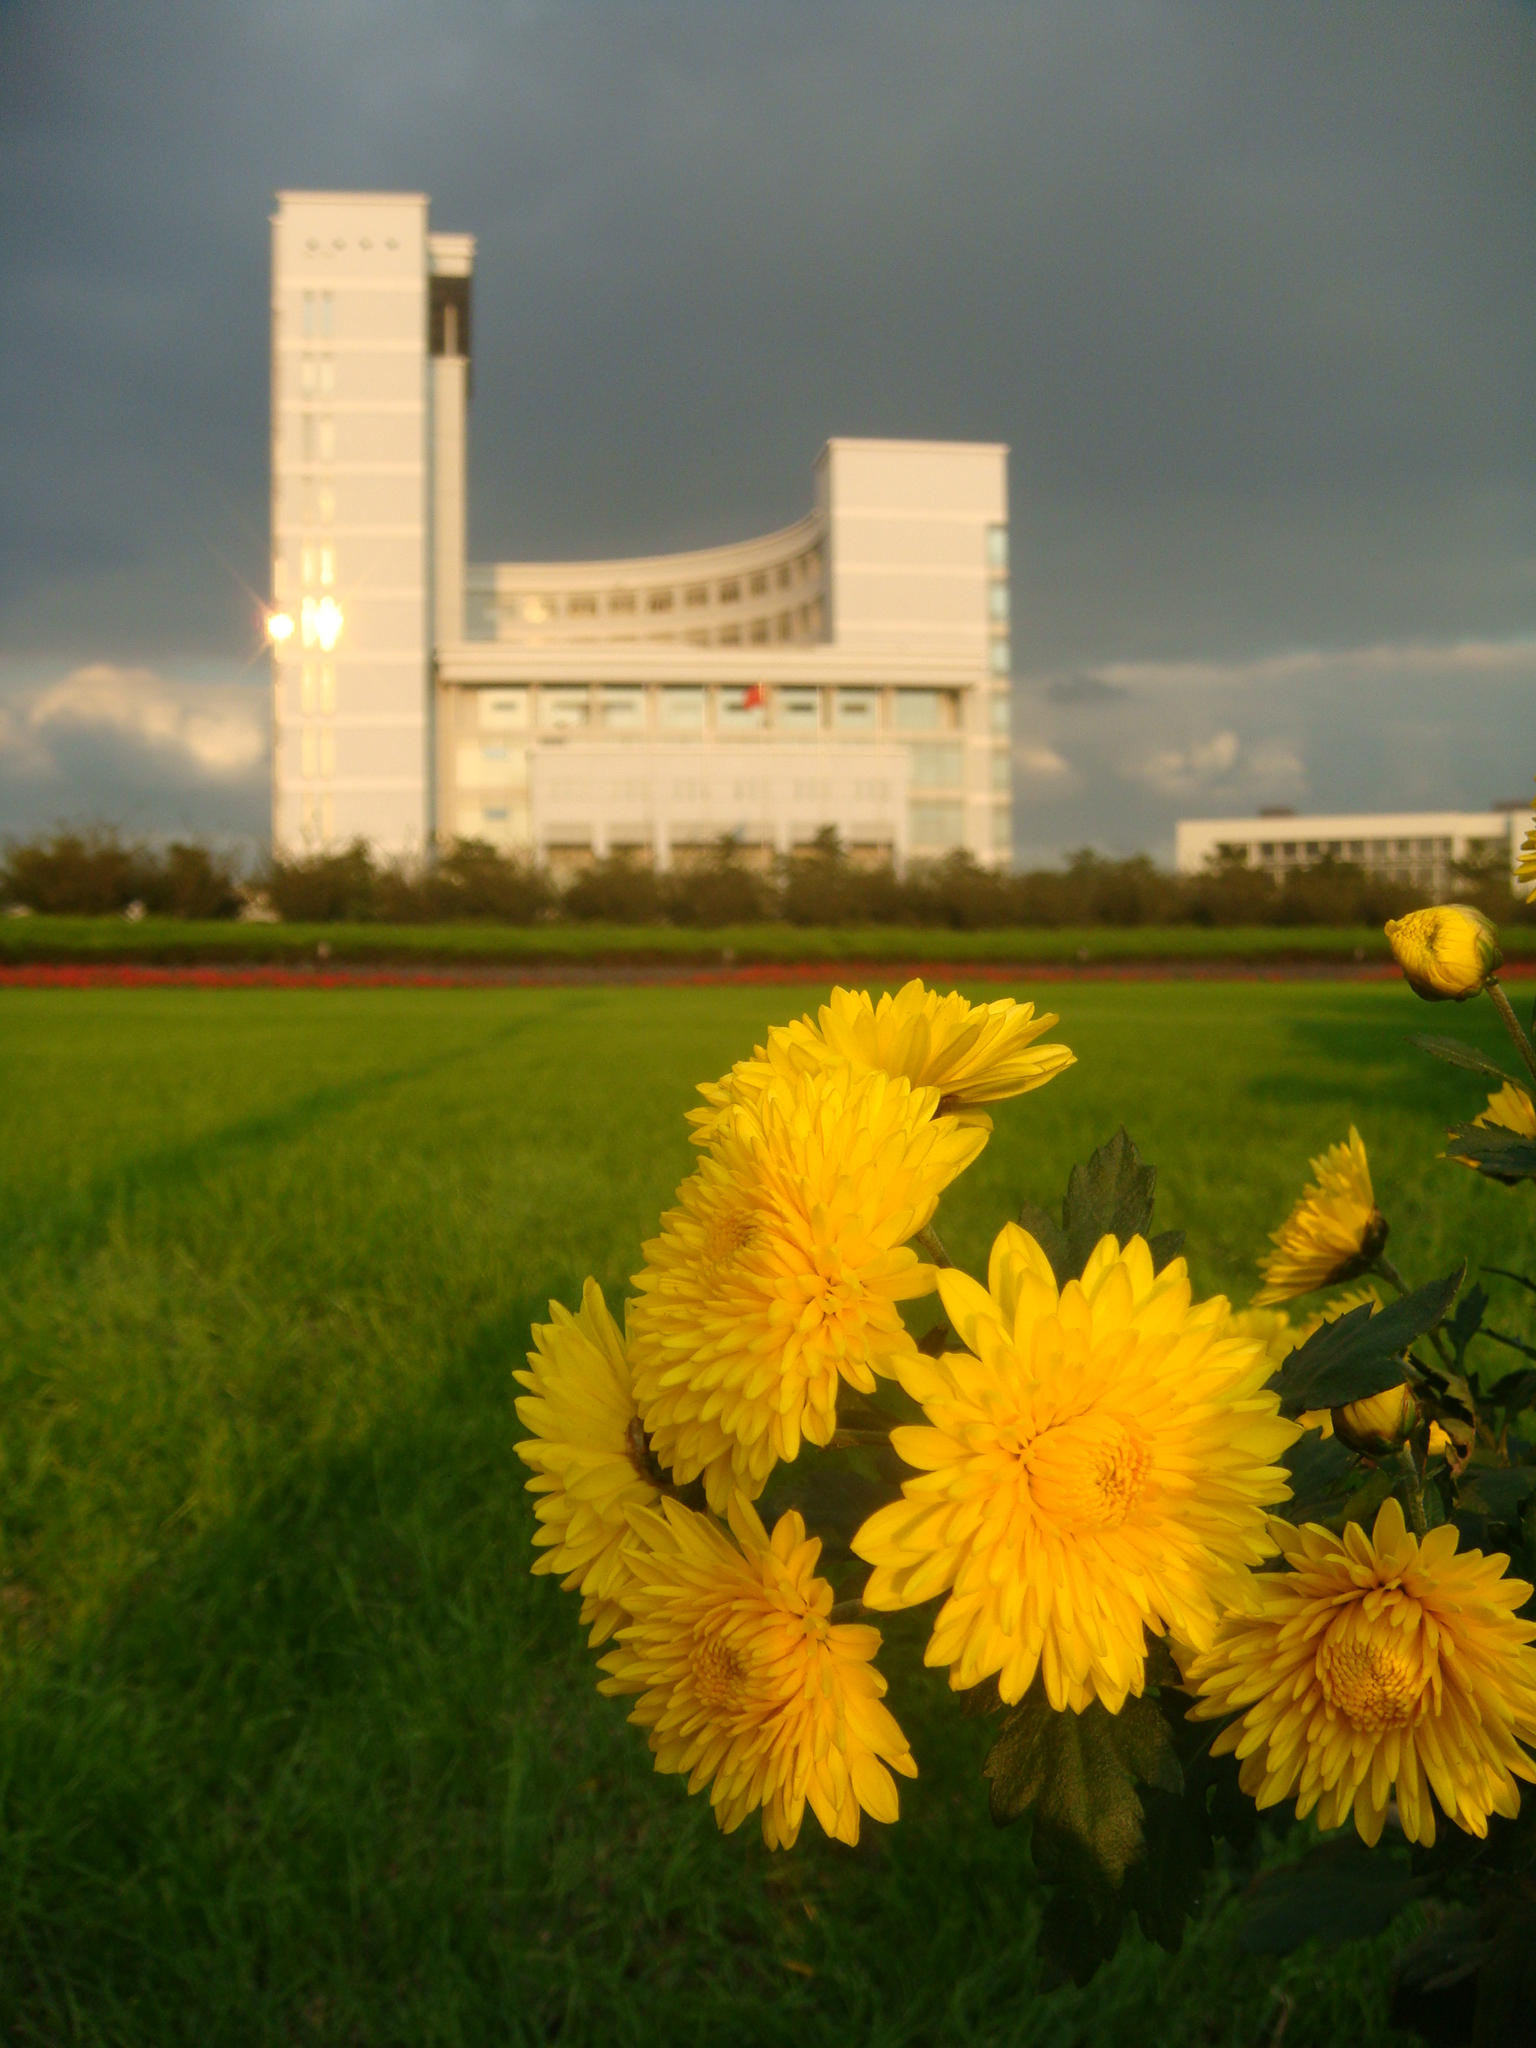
x=1418, y=848
x=851, y=670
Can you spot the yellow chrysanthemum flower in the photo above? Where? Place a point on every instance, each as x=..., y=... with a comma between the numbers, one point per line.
x=1099, y=1465
x=1525, y=866
x=745, y=1681
x=1271, y=1327
x=1333, y=1232
x=1321, y=1419
x=1377, y=1664
x=972, y=1053
x=1510, y=1110
x=587, y=1453
x=1447, y=953
x=779, y=1272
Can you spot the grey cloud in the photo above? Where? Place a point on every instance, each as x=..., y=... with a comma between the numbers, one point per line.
x=1089, y=692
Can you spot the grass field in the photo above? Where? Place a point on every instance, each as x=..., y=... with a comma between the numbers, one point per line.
x=292, y=1748
x=169, y=939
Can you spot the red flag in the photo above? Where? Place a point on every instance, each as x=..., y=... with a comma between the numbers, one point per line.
x=753, y=698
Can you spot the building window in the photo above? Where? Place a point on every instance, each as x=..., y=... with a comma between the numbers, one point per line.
x=327, y=686
x=327, y=817
x=622, y=710
x=786, y=626
x=307, y=315
x=327, y=438
x=730, y=636
x=997, y=547
x=1002, y=713
x=535, y=610
x=307, y=436
x=327, y=752
x=581, y=605
x=307, y=689
x=659, y=601
x=307, y=376
x=936, y=824
x=738, y=710
x=696, y=594
x=494, y=750
x=997, y=602
x=758, y=630
x=495, y=814
x=730, y=591
x=936, y=767
x=782, y=578
x=758, y=585
x=307, y=753
x=797, y=710
x=682, y=707
x=856, y=710
x=327, y=314
x=621, y=601
x=919, y=710
x=327, y=506
x=327, y=375
x=1002, y=773
x=563, y=710
x=1000, y=657
x=504, y=710
x=327, y=565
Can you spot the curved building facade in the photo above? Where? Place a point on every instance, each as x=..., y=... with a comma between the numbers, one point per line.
x=850, y=670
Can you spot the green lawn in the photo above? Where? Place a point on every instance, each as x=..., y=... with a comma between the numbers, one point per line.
x=169, y=939
x=292, y=1747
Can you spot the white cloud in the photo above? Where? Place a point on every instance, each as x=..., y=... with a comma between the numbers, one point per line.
x=218, y=738
x=1037, y=760
x=1180, y=770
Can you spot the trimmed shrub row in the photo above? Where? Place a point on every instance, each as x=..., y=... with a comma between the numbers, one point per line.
x=97, y=873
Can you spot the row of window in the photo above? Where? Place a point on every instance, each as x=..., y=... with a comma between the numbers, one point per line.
x=317, y=374
x=682, y=707
x=1352, y=849
x=317, y=687
x=312, y=244
x=537, y=608
x=317, y=437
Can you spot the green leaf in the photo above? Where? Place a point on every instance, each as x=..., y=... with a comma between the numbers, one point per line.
x=1165, y=1248
x=1360, y=1354
x=1078, y=1773
x=1496, y=1490
x=1341, y=1892
x=1050, y=1237
x=1515, y=1390
x=1433, y=1993
x=1464, y=1324
x=1323, y=1472
x=1111, y=1195
x=1457, y=1053
x=1502, y=1155
x=1074, y=1939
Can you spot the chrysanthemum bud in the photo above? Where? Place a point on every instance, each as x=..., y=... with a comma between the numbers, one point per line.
x=1448, y=953
x=1380, y=1424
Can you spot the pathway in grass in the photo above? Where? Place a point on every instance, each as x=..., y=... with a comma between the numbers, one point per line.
x=292, y=1746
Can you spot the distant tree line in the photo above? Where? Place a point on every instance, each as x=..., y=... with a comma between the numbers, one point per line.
x=99, y=873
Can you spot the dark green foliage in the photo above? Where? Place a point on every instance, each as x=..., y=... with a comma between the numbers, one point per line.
x=1502, y=1155
x=619, y=889
x=319, y=888
x=97, y=873
x=1324, y=1471
x=1110, y=1196
x=1361, y=1353
x=1457, y=1053
x=1342, y=1891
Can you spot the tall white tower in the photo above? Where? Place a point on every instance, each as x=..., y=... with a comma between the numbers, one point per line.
x=355, y=317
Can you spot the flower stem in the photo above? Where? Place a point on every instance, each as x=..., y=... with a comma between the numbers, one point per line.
x=1512, y=1025
x=849, y=1439
x=928, y=1238
x=846, y=1610
x=1415, y=1492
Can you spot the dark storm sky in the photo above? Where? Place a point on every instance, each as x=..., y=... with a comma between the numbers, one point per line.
x=1249, y=289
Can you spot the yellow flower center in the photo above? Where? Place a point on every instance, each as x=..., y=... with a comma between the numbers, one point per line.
x=719, y=1675
x=1373, y=1681
x=1091, y=1471
x=728, y=1232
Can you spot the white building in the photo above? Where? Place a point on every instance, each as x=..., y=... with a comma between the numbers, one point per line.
x=1418, y=848
x=850, y=670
